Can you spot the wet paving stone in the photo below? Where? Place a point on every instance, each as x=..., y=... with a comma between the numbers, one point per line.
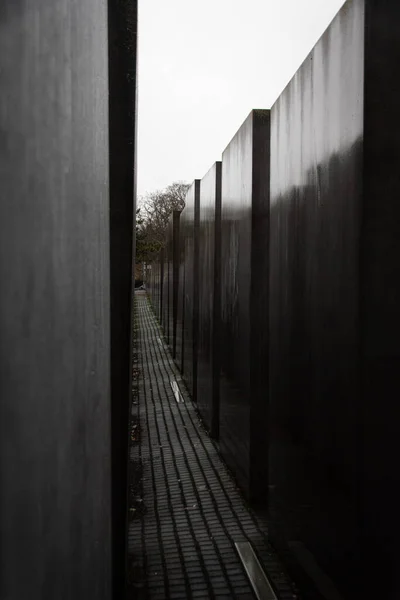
x=187, y=510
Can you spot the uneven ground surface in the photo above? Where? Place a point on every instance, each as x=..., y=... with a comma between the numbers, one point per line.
x=186, y=512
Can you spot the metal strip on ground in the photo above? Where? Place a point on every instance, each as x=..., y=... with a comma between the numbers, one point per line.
x=258, y=579
x=176, y=390
x=191, y=510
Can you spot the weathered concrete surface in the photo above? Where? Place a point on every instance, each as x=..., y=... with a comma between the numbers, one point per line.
x=244, y=303
x=158, y=277
x=209, y=298
x=55, y=439
x=154, y=283
x=180, y=314
x=334, y=293
x=186, y=346
x=172, y=254
x=167, y=276
x=122, y=40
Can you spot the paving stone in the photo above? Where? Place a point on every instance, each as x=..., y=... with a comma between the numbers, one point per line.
x=192, y=510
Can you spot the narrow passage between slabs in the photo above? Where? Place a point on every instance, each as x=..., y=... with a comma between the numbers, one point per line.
x=186, y=513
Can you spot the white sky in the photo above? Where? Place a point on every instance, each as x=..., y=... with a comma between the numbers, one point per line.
x=203, y=65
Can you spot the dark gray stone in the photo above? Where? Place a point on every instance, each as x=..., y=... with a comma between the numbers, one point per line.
x=122, y=41
x=170, y=258
x=66, y=219
x=175, y=280
x=188, y=305
x=154, y=286
x=165, y=289
x=55, y=420
x=209, y=298
x=160, y=283
x=173, y=277
x=335, y=292
x=170, y=280
x=244, y=304
x=180, y=316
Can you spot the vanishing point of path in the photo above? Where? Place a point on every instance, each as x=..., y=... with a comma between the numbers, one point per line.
x=186, y=512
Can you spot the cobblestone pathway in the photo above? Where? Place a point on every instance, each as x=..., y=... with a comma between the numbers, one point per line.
x=185, y=510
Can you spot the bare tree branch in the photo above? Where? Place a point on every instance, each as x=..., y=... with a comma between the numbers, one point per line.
x=153, y=217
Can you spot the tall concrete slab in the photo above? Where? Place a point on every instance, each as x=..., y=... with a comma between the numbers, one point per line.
x=122, y=104
x=160, y=283
x=244, y=304
x=170, y=280
x=169, y=249
x=55, y=408
x=189, y=231
x=154, y=283
x=173, y=276
x=209, y=298
x=165, y=291
x=150, y=282
x=180, y=313
x=334, y=281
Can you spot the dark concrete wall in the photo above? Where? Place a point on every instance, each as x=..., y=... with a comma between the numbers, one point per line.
x=380, y=299
x=55, y=420
x=335, y=262
x=244, y=303
x=316, y=194
x=172, y=253
x=122, y=43
x=180, y=312
x=189, y=227
x=160, y=283
x=150, y=282
x=165, y=292
x=175, y=277
x=209, y=298
x=154, y=283
x=169, y=248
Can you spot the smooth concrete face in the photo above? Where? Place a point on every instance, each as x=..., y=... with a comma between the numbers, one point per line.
x=160, y=283
x=244, y=304
x=55, y=424
x=169, y=315
x=189, y=225
x=316, y=213
x=180, y=311
x=165, y=292
x=175, y=276
x=172, y=275
x=154, y=285
x=209, y=298
x=122, y=103
x=380, y=300
x=154, y=289
x=150, y=282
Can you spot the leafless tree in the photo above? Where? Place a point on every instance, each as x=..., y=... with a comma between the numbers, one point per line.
x=153, y=216
x=158, y=206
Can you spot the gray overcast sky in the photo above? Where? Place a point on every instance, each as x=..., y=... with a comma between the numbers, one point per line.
x=203, y=65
